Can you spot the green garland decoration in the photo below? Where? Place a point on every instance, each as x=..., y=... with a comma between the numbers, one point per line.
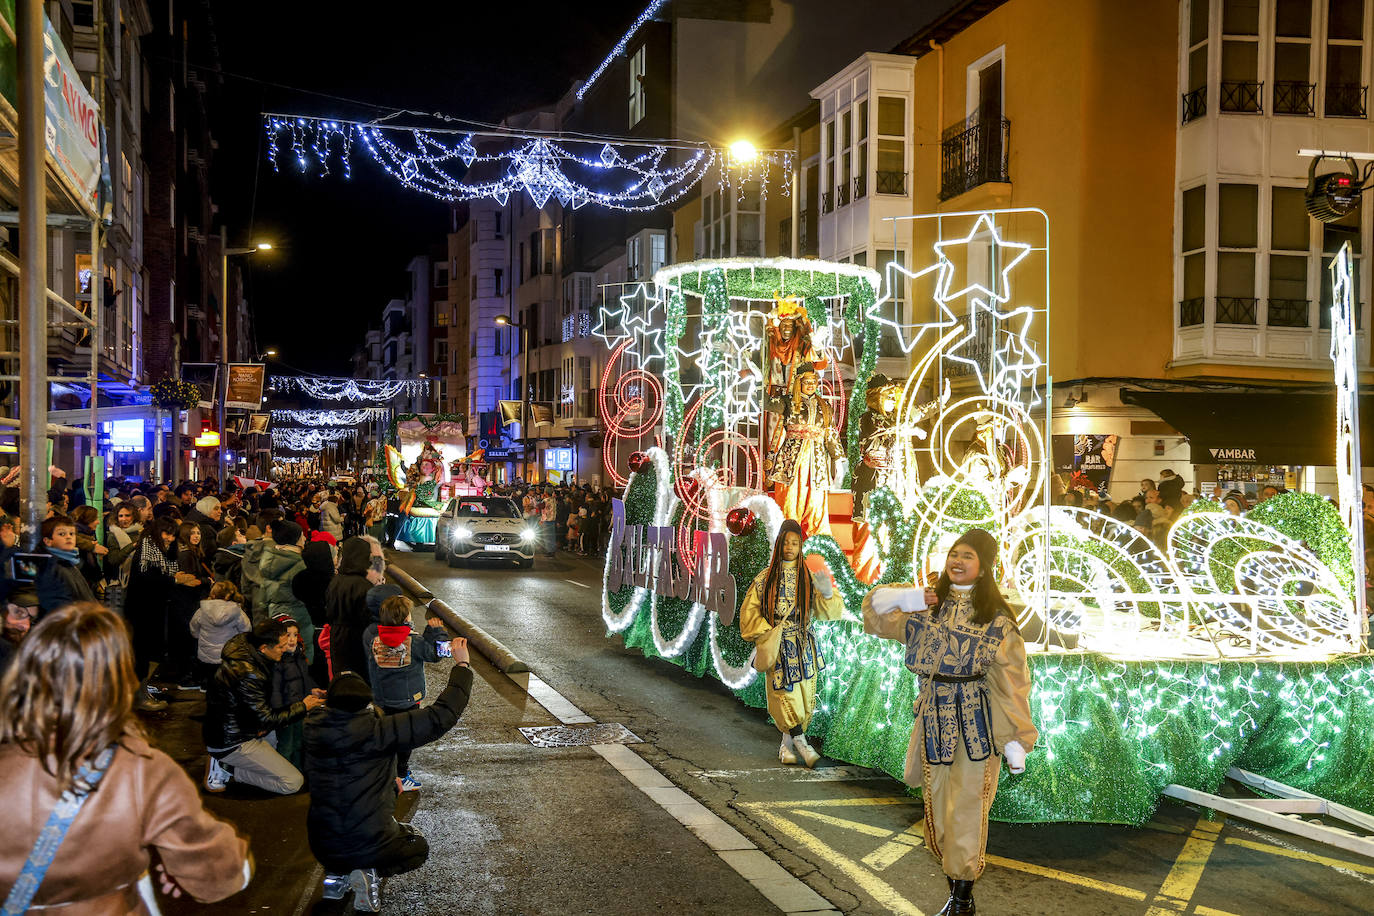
x=715, y=312
x=1311, y=519
x=858, y=321
x=673, y=406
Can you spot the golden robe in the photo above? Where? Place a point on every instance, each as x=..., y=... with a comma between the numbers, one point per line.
x=790, y=684
x=973, y=698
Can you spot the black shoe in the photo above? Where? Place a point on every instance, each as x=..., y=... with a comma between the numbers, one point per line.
x=960, y=901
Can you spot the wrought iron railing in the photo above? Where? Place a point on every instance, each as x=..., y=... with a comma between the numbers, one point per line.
x=1345, y=100
x=842, y=194
x=973, y=152
x=1242, y=96
x=748, y=248
x=1288, y=313
x=1295, y=98
x=1194, y=104
x=860, y=186
x=827, y=201
x=890, y=183
x=1192, y=312
x=1236, y=310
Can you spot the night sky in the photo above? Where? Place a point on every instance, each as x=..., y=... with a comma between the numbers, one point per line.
x=344, y=245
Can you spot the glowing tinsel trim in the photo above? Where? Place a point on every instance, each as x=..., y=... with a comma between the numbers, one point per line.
x=619, y=48
x=328, y=417
x=1345, y=358
x=350, y=389
x=309, y=440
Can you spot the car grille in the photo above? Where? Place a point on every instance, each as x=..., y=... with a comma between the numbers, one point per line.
x=495, y=537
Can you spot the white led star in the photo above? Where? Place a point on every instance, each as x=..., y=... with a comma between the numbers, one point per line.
x=638, y=318
x=1011, y=362
x=996, y=256
x=738, y=347
x=909, y=335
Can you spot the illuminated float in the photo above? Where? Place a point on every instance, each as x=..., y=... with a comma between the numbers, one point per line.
x=1234, y=644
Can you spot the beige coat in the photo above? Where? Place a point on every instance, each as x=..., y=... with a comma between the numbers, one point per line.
x=145, y=801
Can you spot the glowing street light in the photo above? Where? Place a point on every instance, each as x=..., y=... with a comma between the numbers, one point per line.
x=743, y=151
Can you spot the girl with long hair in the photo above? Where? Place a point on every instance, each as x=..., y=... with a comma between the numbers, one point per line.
x=151, y=578
x=69, y=733
x=192, y=586
x=972, y=701
x=776, y=617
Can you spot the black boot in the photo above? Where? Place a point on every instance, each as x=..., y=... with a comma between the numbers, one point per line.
x=960, y=901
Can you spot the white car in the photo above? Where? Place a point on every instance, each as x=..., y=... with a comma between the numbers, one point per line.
x=484, y=528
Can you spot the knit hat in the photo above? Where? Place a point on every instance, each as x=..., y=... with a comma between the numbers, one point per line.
x=349, y=692
x=984, y=544
x=286, y=532
x=207, y=505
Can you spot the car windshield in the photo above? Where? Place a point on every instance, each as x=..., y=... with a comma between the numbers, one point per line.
x=486, y=508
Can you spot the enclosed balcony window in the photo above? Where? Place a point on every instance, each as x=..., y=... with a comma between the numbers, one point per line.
x=1346, y=92
x=1294, y=90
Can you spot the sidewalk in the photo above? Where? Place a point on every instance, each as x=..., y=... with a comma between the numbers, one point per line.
x=513, y=828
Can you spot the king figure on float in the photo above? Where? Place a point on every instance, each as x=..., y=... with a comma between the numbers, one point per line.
x=972, y=701
x=776, y=617
x=801, y=450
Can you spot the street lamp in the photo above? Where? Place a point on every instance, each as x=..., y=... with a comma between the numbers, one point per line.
x=524, y=387
x=225, y=252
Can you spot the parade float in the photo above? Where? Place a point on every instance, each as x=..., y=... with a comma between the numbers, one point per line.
x=424, y=465
x=739, y=392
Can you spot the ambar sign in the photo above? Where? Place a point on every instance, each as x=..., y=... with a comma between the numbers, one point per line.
x=1233, y=454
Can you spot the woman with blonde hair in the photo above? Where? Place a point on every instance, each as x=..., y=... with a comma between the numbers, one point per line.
x=92, y=797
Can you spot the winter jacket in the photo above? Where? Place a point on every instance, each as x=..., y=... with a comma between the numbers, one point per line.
x=145, y=802
x=291, y=681
x=228, y=564
x=252, y=576
x=60, y=583
x=238, y=703
x=311, y=583
x=278, y=567
x=396, y=666
x=122, y=543
x=186, y=598
x=345, y=607
x=350, y=761
x=214, y=623
x=330, y=519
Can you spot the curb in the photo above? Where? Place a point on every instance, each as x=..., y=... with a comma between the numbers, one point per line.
x=504, y=659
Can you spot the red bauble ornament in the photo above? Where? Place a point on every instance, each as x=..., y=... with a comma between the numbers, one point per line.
x=741, y=521
x=639, y=461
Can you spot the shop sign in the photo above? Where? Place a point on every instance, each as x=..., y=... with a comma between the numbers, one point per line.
x=1233, y=454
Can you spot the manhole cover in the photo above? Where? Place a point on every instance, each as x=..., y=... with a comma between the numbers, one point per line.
x=579, y=735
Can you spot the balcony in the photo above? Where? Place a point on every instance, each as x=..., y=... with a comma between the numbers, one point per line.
x=1236, y=310
x=1344, y=100
x=973, y=152
x=1194, y=104
x=890, y=183
x=1295, y=98
x=1242, y=96
x=1288, y=313
x=1192, y=312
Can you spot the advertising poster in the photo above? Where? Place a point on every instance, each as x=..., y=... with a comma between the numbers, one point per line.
x=257, y=424
x=1085, y=461
x=204, y=376
x=245, y=386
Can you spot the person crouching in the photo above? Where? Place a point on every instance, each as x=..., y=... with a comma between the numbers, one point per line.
x=350, y=761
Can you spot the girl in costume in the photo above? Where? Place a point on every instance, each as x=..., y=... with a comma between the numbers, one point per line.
x=802, y=449
x=972, y=701
x=776, y=617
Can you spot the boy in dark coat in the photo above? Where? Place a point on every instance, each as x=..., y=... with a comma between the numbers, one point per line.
x=350, y=760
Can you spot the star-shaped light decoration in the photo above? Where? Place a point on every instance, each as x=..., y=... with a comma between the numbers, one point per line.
x=909, y=335
x=1011, y=363
x=738, y=347
x=638, y=316
x=1007, y=254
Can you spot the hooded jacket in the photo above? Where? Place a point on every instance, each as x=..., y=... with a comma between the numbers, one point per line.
x=350, y=760
x=238, y=704
x=278, y=567
x=311, y=583
x=396, y=656
x=227, y=564
x=214, y=623
x=252, y=575
x=345, y=607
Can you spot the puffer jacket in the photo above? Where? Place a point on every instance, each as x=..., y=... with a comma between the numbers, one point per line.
x=252, y=576
x=238, y=704
x=214, y=623
x=228, y=564
x=278, y=567
x=397, y=667
x=350, y=761
x=345, y=607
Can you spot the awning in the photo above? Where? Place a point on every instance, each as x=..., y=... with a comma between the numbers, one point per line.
x=1260, y=428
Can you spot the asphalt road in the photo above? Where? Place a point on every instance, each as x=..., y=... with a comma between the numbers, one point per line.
x=851, y=834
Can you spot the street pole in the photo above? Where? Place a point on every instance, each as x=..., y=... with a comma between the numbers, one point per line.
x=223, y=381
x=796, y=193
x=525, y=398
x=33, y=271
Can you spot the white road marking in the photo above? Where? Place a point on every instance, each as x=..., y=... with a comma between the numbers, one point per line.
x=578, y=584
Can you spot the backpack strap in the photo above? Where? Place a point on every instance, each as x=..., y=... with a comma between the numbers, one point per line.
x=53, y=832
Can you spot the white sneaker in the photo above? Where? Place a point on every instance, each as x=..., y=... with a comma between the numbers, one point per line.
x=805, y=751
x=335, y=886
x=217, y=776
x=785, y=754
x=367, y=890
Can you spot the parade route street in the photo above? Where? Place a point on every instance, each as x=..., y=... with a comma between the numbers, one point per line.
x=851, y=834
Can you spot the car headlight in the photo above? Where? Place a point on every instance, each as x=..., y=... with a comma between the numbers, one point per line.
x=462, y=533
x=529, y=535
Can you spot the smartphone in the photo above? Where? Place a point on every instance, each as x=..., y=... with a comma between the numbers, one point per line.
x=25, y=567
x=445, y=648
